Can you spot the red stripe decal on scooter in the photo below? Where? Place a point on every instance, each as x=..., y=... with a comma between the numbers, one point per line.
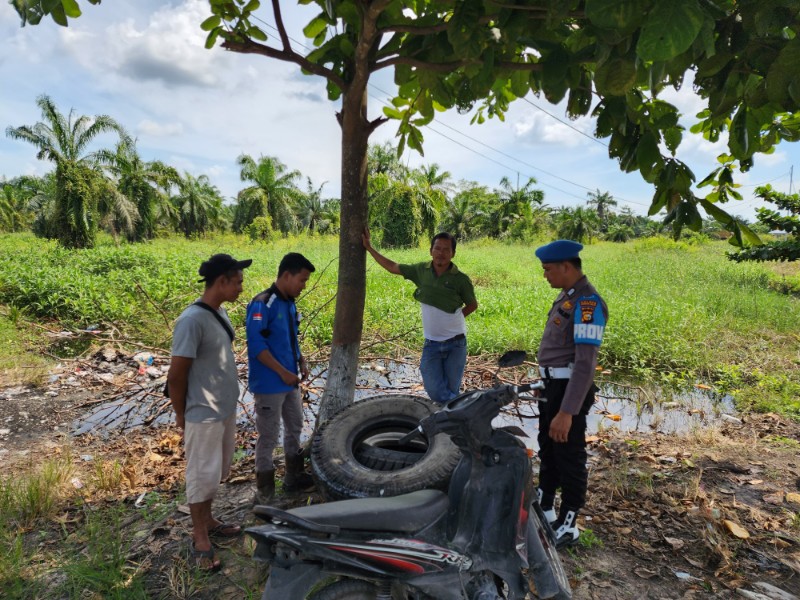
x=396, y=562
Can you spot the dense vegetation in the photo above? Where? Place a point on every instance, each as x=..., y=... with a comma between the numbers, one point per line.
x=118, y=191
x=680, y=311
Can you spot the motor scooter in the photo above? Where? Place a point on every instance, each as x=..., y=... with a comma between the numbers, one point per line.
x=486, y=539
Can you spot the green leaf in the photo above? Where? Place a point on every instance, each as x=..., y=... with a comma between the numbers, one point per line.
x=711, y=178
x=715, y=212
x=48, y=6
x=392, y=113
x=211, y=38
x=520, y=83
x=672, y=138
x=315, y=27
x=750, y=236
x=784, y=74
x=211, y=22
x=623, y=15
x=256, y=33
x=648, y=155
x=71, y=8
x=689, y=215
x=670, y=29
x=251, y=6
x=615, y=77
x=59, y=16
x=743, y=141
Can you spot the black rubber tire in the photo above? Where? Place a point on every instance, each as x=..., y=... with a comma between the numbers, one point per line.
x=347, y=589
x=345, y=466
x=545, y=566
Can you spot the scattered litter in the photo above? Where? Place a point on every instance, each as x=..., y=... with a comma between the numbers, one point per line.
x=684, y=576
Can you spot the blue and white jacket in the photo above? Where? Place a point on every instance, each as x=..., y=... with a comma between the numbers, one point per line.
x=272, y=324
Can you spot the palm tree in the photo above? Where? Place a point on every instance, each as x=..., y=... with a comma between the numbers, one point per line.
x=382, y=159
x=198, y=205
x=434, y=186
x=63, y=140
x=602, y=201
x=516, y=205
x=619, y=232
x=142, y=183
x=579, y=224
x=310, y=207
x=15, y=212
x=466, y=214
x=273, y=192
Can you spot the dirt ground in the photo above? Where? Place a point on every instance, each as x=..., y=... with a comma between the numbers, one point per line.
x=711, y=514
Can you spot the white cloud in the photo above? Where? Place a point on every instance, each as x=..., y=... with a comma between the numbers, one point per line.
x=536, y=127
x=151, y=128
x=169, y=49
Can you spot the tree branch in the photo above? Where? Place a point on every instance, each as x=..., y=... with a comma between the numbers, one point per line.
x=545, y=12
x=449, y=67
x=429, y=29
x=251, y=47
x=374, y=124
x=276, y=9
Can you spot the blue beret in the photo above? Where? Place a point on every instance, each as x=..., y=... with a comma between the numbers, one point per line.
x=558, y=251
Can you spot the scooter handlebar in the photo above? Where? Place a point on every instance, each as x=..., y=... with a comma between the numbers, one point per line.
x=446, y=418
x=410, y=436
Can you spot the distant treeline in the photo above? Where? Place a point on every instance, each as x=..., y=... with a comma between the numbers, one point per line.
x=116, y=190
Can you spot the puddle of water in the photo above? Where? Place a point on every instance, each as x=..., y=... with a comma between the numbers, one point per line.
x=617, y=407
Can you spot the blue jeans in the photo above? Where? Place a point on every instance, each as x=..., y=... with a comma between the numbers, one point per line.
x=442, y=367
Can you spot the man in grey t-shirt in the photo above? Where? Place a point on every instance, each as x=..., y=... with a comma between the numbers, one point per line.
x=204, y=388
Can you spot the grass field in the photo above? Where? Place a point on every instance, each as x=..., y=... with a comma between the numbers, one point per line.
x=679, y=311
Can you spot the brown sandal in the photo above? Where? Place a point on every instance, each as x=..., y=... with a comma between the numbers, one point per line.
x=197, y=558
x=225, y=530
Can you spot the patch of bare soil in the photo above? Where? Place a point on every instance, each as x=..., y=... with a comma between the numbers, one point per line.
x=712, y=514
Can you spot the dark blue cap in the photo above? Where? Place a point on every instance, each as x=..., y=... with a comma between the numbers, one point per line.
x=558, y=251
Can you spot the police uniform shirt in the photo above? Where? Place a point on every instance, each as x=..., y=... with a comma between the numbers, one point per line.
x=572, y=336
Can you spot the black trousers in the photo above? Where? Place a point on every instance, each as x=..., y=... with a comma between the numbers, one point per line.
x=563, y=464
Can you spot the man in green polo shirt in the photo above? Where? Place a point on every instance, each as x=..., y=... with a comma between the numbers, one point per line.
x=446, y=297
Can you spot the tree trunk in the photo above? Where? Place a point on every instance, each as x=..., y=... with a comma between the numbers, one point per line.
x=349, y=318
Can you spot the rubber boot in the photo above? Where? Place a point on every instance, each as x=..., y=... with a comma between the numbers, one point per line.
x=566, y=527
x=296, y=479
x=265, y=487
x=546, y=502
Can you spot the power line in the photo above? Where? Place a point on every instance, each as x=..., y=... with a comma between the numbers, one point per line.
x=475, y=140
x=500, y=152
x=549, y=114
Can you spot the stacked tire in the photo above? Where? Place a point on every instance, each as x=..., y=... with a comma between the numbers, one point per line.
x=357, y=454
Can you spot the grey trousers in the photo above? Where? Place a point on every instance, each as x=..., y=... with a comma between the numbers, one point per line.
x=270, y=408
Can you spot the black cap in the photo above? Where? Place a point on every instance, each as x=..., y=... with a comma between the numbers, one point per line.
x=219, y=264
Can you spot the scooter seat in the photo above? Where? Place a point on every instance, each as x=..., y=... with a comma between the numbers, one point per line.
x=406, y=513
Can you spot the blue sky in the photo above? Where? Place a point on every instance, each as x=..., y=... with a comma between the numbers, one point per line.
x=144, y=64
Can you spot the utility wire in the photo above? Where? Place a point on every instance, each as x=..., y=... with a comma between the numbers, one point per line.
x=549, y=114
x=500, y=152
x=475, y=140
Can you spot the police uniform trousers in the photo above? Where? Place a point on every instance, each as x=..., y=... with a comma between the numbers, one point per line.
x=563, y=464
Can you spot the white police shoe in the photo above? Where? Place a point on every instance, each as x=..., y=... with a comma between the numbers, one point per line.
x=549, y=513
x=566, y=529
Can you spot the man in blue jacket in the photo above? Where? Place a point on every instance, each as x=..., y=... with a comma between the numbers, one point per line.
x=276, y=367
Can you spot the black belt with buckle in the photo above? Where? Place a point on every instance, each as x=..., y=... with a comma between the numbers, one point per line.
x=460, y=336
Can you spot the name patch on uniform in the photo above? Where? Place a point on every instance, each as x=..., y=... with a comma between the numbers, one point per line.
x=590, y=322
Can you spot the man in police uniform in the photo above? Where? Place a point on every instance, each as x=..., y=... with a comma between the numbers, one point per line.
x=567, y=361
